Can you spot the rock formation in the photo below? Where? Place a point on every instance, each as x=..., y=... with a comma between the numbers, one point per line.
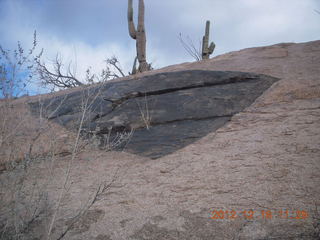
x=167, y=111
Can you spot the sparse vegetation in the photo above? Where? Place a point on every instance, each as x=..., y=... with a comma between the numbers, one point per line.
x=58, y=76
x=24, y=199
x=17, y=69
x=145, y=113
x=190, y=48
x=203, y=50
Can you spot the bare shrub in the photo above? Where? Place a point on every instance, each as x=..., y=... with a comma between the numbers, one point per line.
x=16, y=69
x=23, y=198
x=145, y=113
x=26, y=208
x=30, y=148
x=189, y=46
x=110, y=141
x=58, y=75
x=113, y=68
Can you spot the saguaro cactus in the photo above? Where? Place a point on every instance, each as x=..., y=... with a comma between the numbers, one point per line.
x=138, y=34
x=206, y=49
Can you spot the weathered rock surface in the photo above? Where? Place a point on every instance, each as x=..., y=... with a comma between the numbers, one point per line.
x=167, y=111
x=266, y=158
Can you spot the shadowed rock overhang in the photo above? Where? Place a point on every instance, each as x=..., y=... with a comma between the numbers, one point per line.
x=166, y=111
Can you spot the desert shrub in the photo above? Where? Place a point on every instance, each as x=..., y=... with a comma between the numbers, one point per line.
x=17, y=69
x=30, y=146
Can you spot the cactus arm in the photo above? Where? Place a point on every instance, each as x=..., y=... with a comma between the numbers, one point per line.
x=211, y=48
x=132, y=29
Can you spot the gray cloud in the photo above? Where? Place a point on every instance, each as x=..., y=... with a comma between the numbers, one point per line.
x=92, y=30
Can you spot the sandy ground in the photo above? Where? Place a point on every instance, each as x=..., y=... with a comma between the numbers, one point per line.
x=267, y=158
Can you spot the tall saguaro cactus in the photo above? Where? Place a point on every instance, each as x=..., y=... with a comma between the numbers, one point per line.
x=206, y=49
x=138, y=34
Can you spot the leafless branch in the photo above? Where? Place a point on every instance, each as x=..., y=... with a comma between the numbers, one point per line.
x=62, y=78
x=56, y=77
x=113, y=61
x=190, y=48
x=102, y=189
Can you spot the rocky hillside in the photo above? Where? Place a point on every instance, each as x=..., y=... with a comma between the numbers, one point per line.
x=254, y=175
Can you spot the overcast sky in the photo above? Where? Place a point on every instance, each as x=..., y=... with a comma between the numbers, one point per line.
x=89, y=31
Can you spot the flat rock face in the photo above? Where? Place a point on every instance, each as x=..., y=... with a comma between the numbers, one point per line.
x=156, y=115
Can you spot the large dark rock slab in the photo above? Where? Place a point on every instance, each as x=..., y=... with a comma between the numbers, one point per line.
x=163, y=112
